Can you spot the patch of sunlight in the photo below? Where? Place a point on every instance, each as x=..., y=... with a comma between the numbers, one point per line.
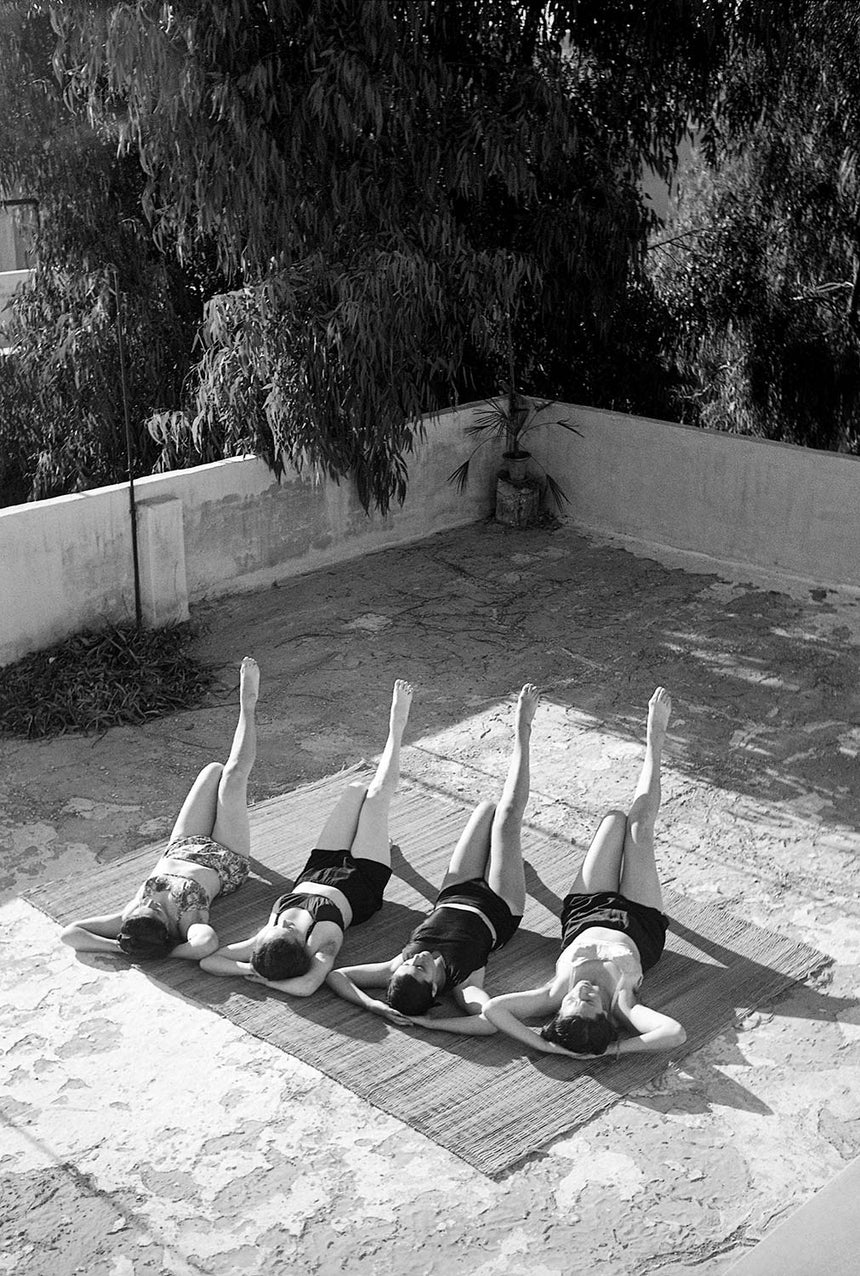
x=611, y=1170
x=720, y=663
x=486, y=736
x=369, y=622
x=849, y=742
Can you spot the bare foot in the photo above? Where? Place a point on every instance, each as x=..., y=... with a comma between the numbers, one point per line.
x=659, y=709
x=249, y=682
x=527, y=703
x=401, y=701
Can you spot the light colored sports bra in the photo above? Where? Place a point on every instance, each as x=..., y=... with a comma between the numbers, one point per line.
x=584, y=949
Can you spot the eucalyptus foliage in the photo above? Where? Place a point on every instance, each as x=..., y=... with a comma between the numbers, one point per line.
x=761, y=269
x=394, y=182
x=61, y=397
x=61, y=394
x=385, y=189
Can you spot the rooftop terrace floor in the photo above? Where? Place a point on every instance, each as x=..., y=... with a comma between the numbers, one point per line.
x=144, y=1135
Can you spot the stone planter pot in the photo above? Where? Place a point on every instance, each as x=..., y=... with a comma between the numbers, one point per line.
x=517, y=504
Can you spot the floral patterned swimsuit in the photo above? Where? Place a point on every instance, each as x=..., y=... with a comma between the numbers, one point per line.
x=232, y=870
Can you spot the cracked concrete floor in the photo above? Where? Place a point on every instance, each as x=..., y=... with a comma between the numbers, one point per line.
x=143, y=1135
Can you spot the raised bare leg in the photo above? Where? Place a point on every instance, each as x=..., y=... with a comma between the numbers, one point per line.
x=371, y=841
x=231, y=827
x=601, y=868
x=639, y=879
x=472, y=852
x=197, y=817
x=339, y=829
x=505, y=872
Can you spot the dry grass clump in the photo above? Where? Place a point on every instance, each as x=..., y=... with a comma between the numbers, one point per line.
x=97, y=680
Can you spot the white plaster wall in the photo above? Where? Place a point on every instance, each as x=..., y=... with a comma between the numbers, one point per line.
x=10, y=282
x=67, y=565
x=243, y=530
x=771, y=506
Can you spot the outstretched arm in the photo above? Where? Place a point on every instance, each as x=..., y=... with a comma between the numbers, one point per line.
x=350, y=982
x=94, y=934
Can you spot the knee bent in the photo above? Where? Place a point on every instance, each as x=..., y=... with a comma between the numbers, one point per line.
x=232, y=773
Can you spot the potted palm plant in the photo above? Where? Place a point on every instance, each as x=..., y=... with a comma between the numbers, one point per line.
x=509, y=418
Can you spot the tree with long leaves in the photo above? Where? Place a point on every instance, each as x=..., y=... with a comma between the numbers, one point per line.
x=61, y=405
x=392, y=181
x=760, y=269
x=387, y=184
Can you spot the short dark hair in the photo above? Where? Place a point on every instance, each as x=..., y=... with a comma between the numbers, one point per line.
x=283, y=956
x=581, y=1035
x=145, y=938
x=408, y=994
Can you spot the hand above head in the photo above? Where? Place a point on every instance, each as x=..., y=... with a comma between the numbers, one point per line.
x=385, y=1011
x=552, y=1047
x=392, y=1015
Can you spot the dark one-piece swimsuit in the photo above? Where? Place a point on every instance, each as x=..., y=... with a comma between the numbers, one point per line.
x=464, y=938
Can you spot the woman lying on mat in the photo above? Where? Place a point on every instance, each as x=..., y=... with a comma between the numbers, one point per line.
x=341, y=885
x=477, y=911
x=207, y=855
x=613, y=929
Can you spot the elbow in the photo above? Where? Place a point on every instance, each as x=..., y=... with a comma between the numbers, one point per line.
x=196, y=947
x=76, y=938
x=679, y=1036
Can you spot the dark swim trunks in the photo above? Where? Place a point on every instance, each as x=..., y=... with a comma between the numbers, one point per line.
x=362, y=881
x=644, y=925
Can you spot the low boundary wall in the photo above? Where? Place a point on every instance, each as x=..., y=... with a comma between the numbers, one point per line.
x=66, y=564
x=770, y=506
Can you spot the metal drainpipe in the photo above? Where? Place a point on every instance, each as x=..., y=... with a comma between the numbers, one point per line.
x=128, y=451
